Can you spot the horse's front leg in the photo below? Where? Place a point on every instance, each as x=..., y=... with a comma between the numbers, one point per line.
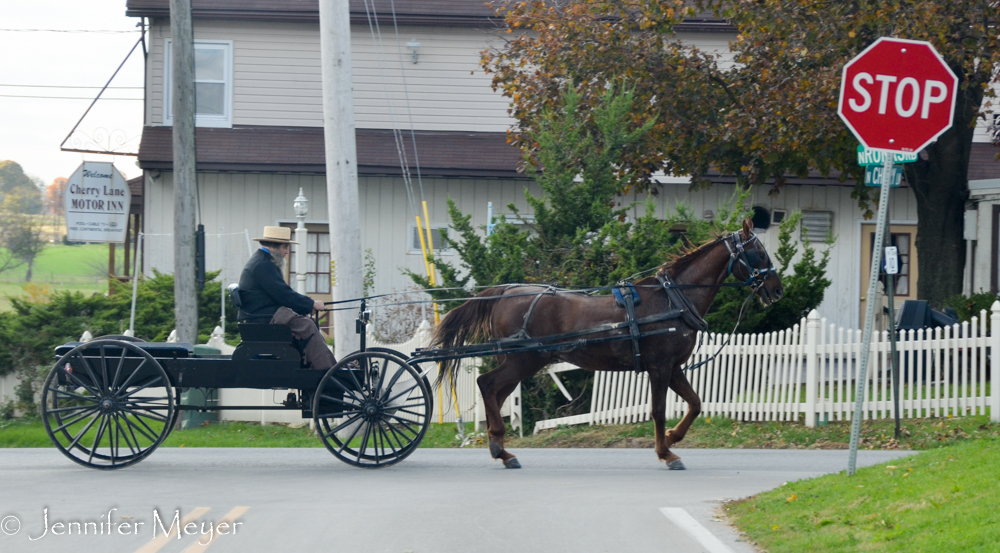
x=658, y=386
x=679, y=383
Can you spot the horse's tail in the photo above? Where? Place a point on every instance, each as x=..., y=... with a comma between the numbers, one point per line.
x=467, y=323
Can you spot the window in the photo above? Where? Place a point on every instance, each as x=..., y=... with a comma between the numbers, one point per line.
x=317, y=249
x=213, y=83
x=441, y=245
x=816, y=225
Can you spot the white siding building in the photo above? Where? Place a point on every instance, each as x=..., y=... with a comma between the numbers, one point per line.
x=260, y=138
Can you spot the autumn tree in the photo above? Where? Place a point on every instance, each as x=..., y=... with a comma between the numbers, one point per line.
x=767, y=113
x=54, y=194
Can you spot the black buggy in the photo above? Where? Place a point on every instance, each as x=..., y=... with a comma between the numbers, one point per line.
x=109, y=403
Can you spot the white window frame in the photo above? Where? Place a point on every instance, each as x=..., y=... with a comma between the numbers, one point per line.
x=412, y=228
x=221, y=121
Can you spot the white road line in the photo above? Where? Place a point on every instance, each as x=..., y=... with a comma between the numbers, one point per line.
x=681, y=518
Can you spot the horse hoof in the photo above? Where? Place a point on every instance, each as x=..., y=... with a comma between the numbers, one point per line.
x=495, y=449
x=676, y=464
x=512, y=463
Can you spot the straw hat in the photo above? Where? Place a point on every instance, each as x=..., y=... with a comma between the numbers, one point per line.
x=282, y=235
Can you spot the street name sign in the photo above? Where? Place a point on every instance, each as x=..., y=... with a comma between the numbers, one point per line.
x=873, y=176
x=97, y=203
x=898, y=95
x=867, y=157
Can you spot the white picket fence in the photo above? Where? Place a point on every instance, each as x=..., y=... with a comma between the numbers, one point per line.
x=809, y=373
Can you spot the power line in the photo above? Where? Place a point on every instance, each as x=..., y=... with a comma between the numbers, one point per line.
x=67, y=86
x=63, y=97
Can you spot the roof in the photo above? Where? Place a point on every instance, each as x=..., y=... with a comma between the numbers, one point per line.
x=135, y=188
x=301, y=150
x=408, y=12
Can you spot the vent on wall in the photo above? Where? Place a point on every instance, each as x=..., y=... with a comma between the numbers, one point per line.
x=778, y=216
x=816, y=225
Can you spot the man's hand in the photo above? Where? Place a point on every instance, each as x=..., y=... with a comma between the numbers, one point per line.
x=318, y=306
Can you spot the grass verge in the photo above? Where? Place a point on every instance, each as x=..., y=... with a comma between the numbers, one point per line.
x=918, y=434
x=714, y=432
x=940, y=500
x=31, y=433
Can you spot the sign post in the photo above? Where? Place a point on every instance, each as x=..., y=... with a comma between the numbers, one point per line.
x=897, y=96
x=97, y=201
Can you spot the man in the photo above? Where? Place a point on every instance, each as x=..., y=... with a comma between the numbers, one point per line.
x=265, y=296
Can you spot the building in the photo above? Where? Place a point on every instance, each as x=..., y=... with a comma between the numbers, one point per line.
x=260, y=139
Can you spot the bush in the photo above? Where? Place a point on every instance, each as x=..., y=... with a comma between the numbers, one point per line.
x=32, y=331
x=804, y=288
x=968, y=307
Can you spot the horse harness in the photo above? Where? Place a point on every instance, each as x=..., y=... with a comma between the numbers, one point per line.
x=627, y=297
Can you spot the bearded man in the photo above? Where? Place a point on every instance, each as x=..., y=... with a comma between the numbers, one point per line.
x=265, y=296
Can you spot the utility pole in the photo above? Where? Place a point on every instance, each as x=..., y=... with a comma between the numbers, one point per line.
x=183, y=106
x=341, y=168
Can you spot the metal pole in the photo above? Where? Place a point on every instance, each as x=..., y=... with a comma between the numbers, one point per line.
x=183, y=105
x=890, y=291
x=341, y=166
x=883, y=207
x=135, y=283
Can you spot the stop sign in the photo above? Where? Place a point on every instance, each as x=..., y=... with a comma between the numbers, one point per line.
x=897, y=95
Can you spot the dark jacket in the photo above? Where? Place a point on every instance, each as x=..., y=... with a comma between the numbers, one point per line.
x=263, y=290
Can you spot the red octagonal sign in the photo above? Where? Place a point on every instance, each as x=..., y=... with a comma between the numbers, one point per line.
x=898, y=95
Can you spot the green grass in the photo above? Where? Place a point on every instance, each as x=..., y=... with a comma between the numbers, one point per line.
x=940, y=500
x=61, y=267
x=714, y=432
x=31, y=433
x=919, y=434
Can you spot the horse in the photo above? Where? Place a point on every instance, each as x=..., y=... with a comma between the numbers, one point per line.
x=687, y=284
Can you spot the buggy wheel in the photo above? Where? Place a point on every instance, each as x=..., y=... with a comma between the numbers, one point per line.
x=107, y=404
x=372, y=409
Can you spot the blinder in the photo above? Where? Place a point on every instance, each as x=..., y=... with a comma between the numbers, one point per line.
x=749, y=258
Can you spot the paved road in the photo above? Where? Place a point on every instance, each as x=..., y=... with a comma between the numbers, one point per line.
x=436, y=501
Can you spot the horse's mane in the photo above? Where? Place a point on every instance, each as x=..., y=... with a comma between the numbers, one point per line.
x=683, y=259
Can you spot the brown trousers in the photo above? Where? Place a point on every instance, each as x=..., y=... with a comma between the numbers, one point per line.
x=316, y=353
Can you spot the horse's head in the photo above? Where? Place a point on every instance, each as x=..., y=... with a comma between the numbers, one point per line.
x=750, y=263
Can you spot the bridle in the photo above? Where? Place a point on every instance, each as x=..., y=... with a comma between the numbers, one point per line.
x=748, y=258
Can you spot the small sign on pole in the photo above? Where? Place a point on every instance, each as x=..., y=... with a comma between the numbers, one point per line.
x=97, y=202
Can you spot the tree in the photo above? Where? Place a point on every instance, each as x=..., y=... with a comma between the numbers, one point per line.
x=12, y=177
x=13, y=182
x=21, y=234
x=772, y=113
x=54, y=196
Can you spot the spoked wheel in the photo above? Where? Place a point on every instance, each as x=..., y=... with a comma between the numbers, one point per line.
x=372, y=409
x=107, y=404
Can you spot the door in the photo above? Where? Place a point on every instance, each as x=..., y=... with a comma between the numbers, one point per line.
x=904, y=238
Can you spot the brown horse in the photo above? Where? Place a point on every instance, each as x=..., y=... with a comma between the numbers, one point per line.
x=538, y=312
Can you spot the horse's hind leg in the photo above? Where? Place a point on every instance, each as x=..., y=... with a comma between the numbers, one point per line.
x=658, y=385
x=679, y=383
x=495, y=387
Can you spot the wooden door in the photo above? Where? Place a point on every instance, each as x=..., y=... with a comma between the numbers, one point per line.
x=904, y=238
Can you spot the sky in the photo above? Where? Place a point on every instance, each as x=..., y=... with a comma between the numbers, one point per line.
x=52, y=66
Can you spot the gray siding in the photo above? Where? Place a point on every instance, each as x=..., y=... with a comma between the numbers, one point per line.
x=237, y=201
x=277, y=77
